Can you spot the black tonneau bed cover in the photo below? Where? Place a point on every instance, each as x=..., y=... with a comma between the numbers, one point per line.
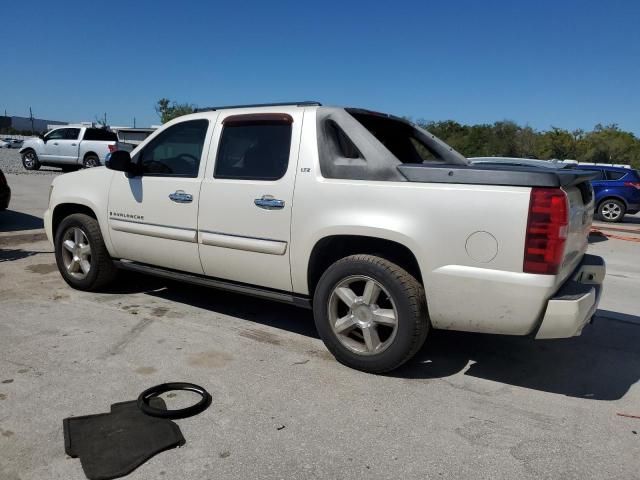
x=508, y=175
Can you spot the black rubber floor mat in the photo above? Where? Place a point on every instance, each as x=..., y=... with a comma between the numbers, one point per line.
x=111, y=445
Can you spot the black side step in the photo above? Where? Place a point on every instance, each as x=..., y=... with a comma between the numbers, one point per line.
x=276, y=295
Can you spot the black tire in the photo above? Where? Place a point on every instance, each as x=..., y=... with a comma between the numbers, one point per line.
x=30, y=160
x=611, y=210
x=91, y=161
x=102, y=270
x=400, y=287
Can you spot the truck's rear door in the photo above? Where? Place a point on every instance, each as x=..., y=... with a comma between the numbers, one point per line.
x=244, y=219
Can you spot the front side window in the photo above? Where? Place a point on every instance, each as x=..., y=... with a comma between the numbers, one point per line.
x=175, y=152
x=254, y=147
x=64, y=134
x=56, y=134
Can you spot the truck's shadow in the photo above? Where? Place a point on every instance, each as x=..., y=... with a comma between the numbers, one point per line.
x=12, y=221
x=602, y=364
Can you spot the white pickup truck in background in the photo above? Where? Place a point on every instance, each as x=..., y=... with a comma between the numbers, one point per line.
x=69, y=148
x=381, y=228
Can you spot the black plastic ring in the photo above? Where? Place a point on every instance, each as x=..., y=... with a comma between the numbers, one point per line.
x=149, y=393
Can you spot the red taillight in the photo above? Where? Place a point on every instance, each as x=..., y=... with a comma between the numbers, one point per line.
x=632, y=184
x=546, y=231
x=113, y=148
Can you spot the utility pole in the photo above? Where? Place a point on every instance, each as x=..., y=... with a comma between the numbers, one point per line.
x=134, y=122
x=105, y=119
x=31, y=118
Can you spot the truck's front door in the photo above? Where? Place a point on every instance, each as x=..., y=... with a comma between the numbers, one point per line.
x=62, y=146
x=244, y=219
x=153, y=217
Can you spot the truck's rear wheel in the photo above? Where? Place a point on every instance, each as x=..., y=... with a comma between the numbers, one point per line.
x=370, y=313
x=91, y=161
x=30, y=160
x=81, y=256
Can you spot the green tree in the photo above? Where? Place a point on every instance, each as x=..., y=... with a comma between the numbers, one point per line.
x=557, y=143
x=168, y=110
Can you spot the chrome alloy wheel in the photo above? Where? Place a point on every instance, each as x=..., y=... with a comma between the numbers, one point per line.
x=362, y=315
x=611, y=211
x=91, y=162
x=29, y=159
x=76, y=253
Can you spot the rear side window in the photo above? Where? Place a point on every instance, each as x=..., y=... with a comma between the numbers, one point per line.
x=71, y=133
x=254, y=147
x=614, y=175
x=175, y=152
x=100, y=134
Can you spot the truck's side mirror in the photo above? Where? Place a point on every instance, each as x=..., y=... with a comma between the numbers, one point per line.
x=120, y=160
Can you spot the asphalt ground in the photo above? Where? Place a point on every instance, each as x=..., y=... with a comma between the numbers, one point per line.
x=468, y=405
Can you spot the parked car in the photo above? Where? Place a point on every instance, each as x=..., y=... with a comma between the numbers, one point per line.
x=5, y=192
x=617, y=191
x=10, y=143
x=378, y=226
x=69, y=148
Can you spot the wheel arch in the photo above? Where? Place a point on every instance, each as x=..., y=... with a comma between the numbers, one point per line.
x=612, y=196
x=63, y=210
x=332, y=248
x=90, y=153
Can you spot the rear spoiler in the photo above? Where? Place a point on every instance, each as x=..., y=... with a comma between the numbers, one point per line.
x=494, y=175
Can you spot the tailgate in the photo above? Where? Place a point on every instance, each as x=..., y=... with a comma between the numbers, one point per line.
x=581, y=208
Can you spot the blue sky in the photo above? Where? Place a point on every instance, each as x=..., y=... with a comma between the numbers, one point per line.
x=569, y=64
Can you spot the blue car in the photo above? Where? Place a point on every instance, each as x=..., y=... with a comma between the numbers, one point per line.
x=616, y=189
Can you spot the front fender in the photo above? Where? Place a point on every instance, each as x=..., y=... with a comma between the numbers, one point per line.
x=89, y=188
x=35, y=145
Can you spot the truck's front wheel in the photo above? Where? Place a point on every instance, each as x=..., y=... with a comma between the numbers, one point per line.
x=370, y=313
x=30, y=160
x=81, y=256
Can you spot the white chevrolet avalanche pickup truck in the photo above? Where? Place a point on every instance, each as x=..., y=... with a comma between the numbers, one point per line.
x=378, y=226
x=69, y=148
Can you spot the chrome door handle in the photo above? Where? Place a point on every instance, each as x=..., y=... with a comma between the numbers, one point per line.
x=55, y=143
x=269, y=203
x=180, y=196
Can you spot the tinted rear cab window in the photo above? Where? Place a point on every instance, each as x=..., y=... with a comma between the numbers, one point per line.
x=100, y=134
x=254, y=147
